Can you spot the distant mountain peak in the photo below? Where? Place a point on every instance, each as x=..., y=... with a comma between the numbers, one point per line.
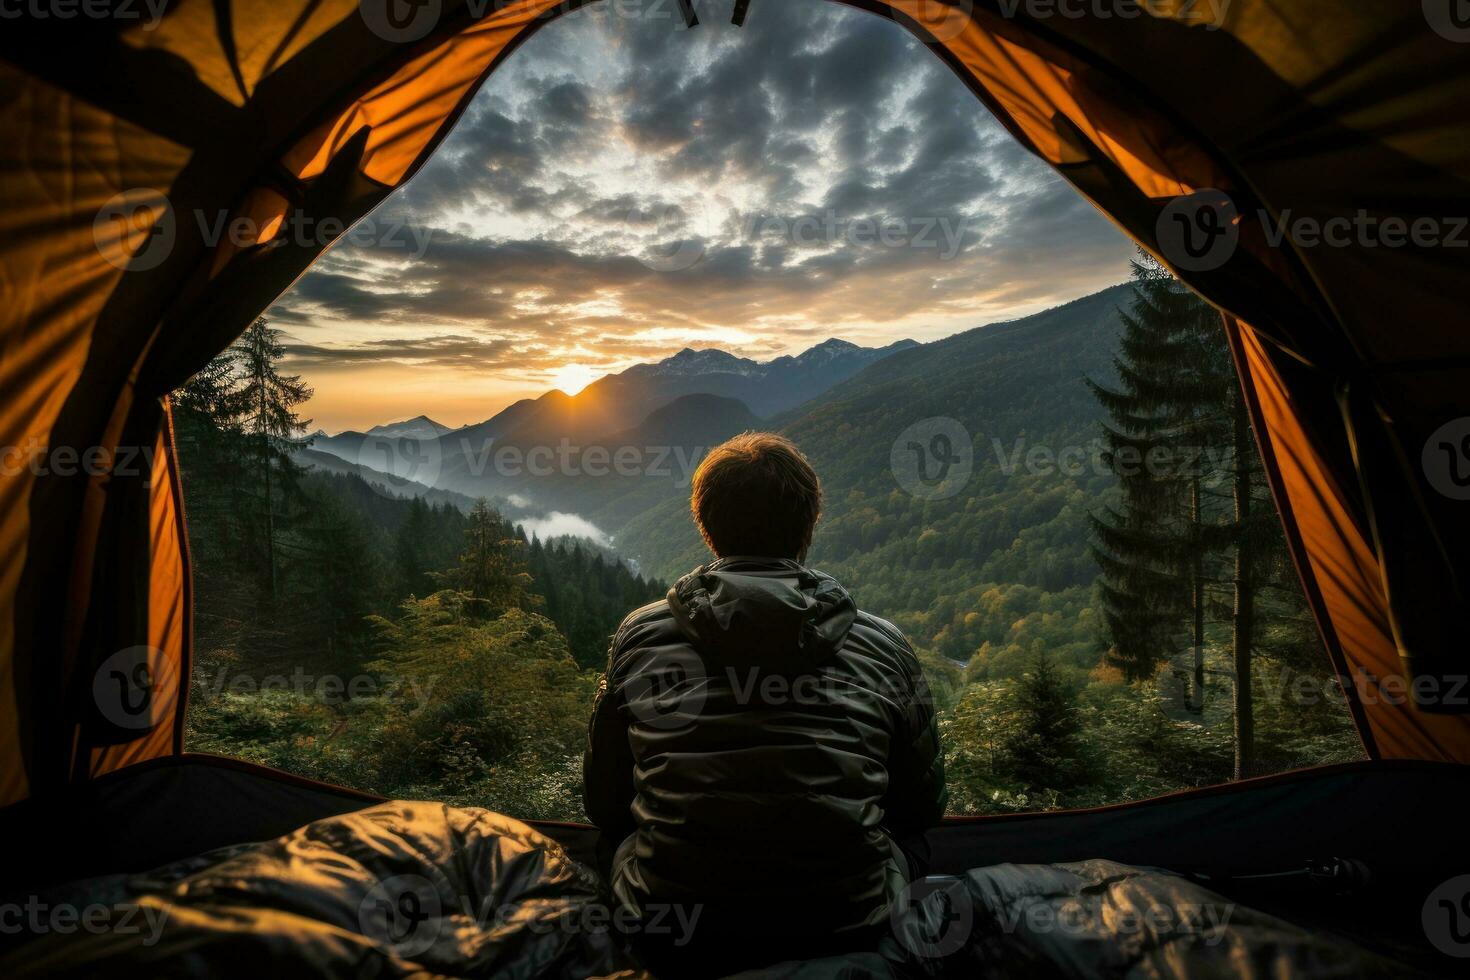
x=710, y=360
x=418, y=427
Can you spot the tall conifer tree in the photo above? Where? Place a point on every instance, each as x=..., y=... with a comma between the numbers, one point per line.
x=1169, y=408
x=271, y=425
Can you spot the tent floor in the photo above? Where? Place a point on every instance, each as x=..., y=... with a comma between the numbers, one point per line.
x=1385, y=817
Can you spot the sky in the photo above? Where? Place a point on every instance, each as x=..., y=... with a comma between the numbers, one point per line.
x=624, y=187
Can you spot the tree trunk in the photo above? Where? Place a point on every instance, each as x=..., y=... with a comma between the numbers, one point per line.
x=1245, y=612
x=1197, y=704
x=270, y=510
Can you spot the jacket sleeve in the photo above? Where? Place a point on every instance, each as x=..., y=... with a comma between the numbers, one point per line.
x=916, y=795
x=607, y=765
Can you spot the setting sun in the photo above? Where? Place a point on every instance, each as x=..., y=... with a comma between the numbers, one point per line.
x=572, y=378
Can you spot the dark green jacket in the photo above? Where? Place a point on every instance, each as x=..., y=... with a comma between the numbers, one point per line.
x=757, y=735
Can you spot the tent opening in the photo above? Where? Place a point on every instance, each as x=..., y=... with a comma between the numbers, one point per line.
x=425, y=486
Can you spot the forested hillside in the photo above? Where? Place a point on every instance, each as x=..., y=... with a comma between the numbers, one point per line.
x=1003, y=562
x=387, y=642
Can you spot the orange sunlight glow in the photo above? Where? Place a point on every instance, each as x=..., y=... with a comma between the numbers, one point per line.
x=572, y=378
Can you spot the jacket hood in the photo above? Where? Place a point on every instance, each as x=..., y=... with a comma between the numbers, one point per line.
x=749, y=608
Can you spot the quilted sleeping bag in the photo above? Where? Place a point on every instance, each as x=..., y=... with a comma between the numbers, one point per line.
x=399, y=889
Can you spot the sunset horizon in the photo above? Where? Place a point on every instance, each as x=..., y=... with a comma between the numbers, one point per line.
x=611, y=197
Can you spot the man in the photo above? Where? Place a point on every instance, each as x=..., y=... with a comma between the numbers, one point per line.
x=759, y=743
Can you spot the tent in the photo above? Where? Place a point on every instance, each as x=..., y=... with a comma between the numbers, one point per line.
x=1200, y=127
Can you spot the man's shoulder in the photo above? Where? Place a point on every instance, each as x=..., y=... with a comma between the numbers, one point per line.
x=886, y=630
x=653, y=612
x=646, y=624
x=889, y=642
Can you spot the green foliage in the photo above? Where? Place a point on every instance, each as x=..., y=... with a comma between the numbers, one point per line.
x=587, y=594
x=1044, y=745
x=468, y=694
x=492, y=568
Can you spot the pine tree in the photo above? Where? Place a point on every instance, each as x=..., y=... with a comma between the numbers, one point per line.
x=271, y=425
x=492, y=567
x=208, y=417
x=411, y=549
x=1179, y=553
x=335, y=585
x=1174, y=379
x=1045, y=747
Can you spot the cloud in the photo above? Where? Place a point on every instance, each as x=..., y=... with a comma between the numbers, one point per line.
x=446, y=351
x=614, y=134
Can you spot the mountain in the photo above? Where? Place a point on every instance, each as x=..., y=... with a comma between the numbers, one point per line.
x=608, y=412
x=419, y=427
x=618, y=474
x=386, y=483
x=621, y=401
x=1002, y=561
x=690, y=421
x=396, y=456
x=766, y=388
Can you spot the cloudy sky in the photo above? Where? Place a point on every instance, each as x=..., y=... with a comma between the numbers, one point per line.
x=623, y=188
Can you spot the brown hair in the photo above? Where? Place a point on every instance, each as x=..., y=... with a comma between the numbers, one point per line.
x=756, y=495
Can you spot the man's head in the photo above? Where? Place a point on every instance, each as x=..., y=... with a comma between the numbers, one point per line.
x=757, y=495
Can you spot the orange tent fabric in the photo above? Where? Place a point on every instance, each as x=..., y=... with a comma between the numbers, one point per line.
x=1231, y=118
